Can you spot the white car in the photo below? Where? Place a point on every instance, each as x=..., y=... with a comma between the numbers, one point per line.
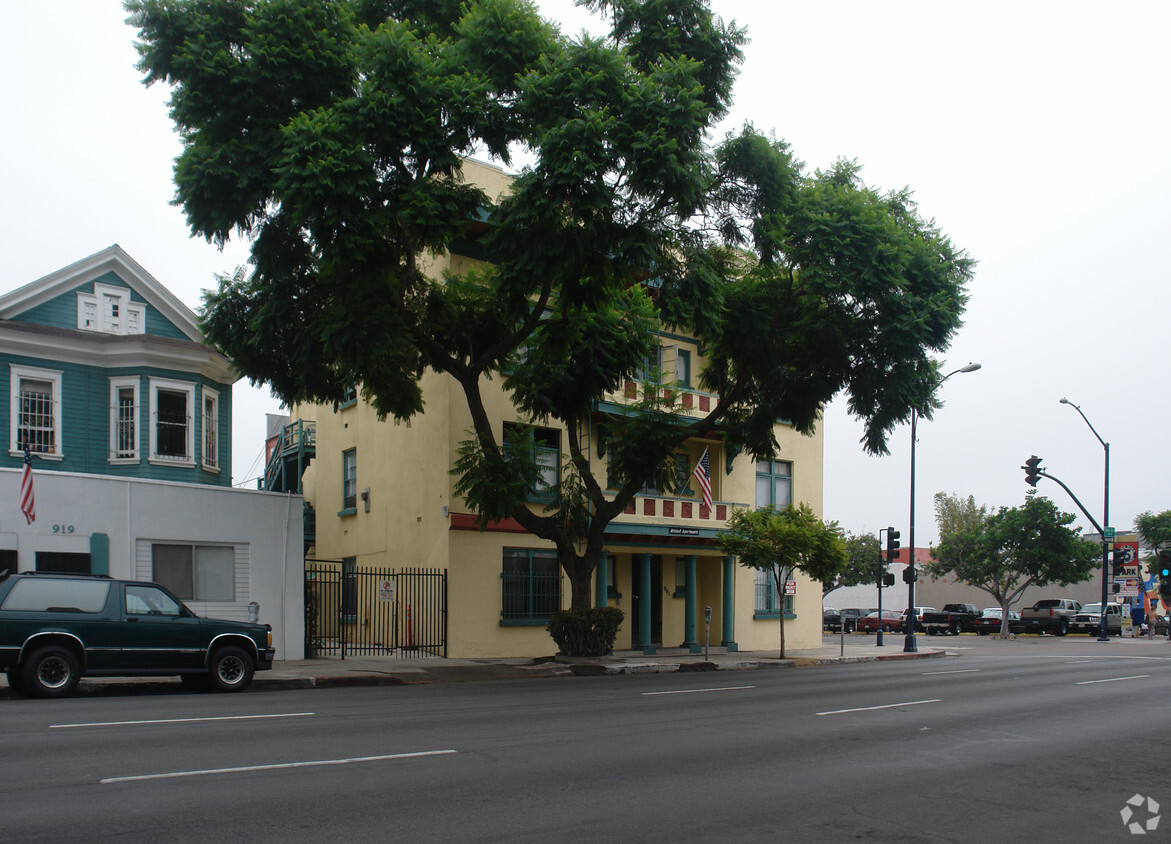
x=918, y=619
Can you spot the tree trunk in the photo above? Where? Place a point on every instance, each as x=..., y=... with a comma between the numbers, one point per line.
x=780, y=604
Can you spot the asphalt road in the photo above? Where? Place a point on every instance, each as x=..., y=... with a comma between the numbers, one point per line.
x=1034, y=740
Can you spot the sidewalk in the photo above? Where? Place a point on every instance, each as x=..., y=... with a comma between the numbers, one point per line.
x=359, y=670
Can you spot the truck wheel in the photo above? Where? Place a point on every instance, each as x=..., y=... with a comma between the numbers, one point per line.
x=231, y=669
x=1062, y=627
x=51, y=671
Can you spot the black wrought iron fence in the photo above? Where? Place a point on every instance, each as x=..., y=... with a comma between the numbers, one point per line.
x=351, y=609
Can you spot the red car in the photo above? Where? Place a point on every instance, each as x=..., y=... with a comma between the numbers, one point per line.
x=890, y=622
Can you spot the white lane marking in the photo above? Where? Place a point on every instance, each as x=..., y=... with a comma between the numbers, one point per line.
x=1093, y=656
x=174, y=774
x=1111, y=680
x=884, y=706
x=698, y=691
x=180, y=720
x=957, y=671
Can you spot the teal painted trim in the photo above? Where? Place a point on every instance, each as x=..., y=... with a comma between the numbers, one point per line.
x=61, y=311
x=729, y=596
x=86, y=420
x=663, y=530
x=348, y=511
x=691, y=588
x=644, y=604
x=469, y=249
x=524, y=622
x=602, y=581
x=99, y=553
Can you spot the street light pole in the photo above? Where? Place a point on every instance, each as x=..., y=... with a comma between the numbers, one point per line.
x=1102, y=634
x=909, y=643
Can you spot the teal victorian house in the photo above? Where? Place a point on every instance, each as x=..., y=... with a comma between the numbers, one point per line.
x=106, y=372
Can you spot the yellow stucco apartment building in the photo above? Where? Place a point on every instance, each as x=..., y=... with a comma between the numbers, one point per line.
x=382, y=499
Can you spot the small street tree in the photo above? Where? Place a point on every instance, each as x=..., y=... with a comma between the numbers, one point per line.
x=1005, y=552
x=333, y=135
x=864, y=563
x=783, y=541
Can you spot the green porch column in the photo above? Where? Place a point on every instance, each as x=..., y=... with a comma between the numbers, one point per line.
x=690, y=640
x=601, y=581
x=729, y=604
x=644, y=604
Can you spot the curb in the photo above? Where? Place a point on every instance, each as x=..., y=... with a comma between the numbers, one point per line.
x=464, y=673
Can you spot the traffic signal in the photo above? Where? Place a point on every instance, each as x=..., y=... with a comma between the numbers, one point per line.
x=1165, y=565
x=910, y=575
x=1032, y=469
x=892, y=544
x=888, y=579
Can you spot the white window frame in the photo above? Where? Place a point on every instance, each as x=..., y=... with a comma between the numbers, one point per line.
x=15, y=374
x=91, y=316
x=211, y=428
x=157, y=384
x=117, y=385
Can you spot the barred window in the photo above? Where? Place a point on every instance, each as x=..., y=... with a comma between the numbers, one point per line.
x=350, y=479
x=768, y=600
x=35, y=425
x=531, y=585
x=211, y=429
x=124, y=418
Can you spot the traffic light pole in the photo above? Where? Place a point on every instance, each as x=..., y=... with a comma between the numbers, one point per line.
x=881, y=558
x=1039, y=472
x=910, y=646
x=1102, y=633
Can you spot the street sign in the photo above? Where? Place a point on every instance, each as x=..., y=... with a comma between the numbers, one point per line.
x=1109, y=534
x=386, y=589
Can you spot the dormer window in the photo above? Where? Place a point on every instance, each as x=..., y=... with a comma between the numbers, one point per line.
x=109, y=310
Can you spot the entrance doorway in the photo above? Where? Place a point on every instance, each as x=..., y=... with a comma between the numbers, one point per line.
x=655, y=597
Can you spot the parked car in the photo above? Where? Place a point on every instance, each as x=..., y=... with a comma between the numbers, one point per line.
x=1089, y=619
x=830, y=618
x=990, y=621
x=870, y=623
x=918, y=619
x=1051, y=615
x=56, y=628
x=953, y=618
x=847, y=620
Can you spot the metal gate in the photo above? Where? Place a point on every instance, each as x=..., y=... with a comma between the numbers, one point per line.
x=367, y=610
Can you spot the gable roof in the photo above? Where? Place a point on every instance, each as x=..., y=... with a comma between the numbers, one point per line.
x=111, y=259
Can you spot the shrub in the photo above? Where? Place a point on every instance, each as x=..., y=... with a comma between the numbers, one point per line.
x=585, y=632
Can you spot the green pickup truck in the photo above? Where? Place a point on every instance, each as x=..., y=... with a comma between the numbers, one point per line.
x=57, y=628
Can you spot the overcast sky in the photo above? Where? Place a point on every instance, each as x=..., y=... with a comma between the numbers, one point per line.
x=1035, y=134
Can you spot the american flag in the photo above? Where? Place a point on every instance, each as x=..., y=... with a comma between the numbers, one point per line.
x=27, y=504
x=703, y=474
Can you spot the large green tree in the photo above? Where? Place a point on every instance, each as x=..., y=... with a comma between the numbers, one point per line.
x=864, y=563
x=783, y=541
x=1005, y=552
x=332, y=135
